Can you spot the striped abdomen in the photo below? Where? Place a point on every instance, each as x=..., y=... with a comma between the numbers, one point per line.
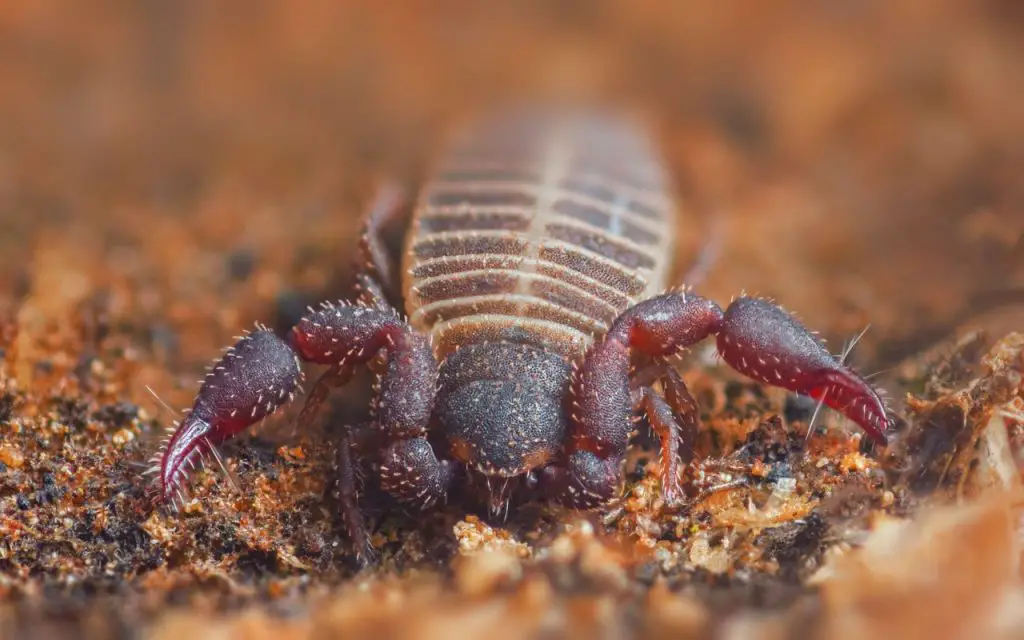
x=539, y=229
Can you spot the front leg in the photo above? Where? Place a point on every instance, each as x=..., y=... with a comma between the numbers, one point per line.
x=674, y=420
x=346, y=484
x=754, y=336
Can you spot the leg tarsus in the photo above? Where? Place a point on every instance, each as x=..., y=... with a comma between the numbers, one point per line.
x=346, y=484
x=685, y=410
x=674, y=420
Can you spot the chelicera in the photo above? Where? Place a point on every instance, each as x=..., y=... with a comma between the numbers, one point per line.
x=538, y=328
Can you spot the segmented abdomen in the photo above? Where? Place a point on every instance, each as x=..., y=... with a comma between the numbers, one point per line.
x=538, y=228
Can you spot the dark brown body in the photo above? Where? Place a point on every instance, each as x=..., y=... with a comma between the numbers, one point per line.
x=546, y=224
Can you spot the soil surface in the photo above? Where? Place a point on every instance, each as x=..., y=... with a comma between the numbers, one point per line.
x=171, y=173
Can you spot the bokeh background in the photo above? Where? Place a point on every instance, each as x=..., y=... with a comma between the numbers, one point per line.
x=190, y=167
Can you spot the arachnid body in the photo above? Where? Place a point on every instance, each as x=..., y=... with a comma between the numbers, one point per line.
x=533, y=279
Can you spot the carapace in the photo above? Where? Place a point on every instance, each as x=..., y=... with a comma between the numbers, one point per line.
x=538, y=326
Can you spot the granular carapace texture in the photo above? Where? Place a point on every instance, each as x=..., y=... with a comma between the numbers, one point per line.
x=172, y=174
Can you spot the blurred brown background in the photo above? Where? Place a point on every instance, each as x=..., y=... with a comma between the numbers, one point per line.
x=178, y=170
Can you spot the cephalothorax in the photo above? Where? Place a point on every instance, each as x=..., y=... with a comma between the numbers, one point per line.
x=533, y=279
